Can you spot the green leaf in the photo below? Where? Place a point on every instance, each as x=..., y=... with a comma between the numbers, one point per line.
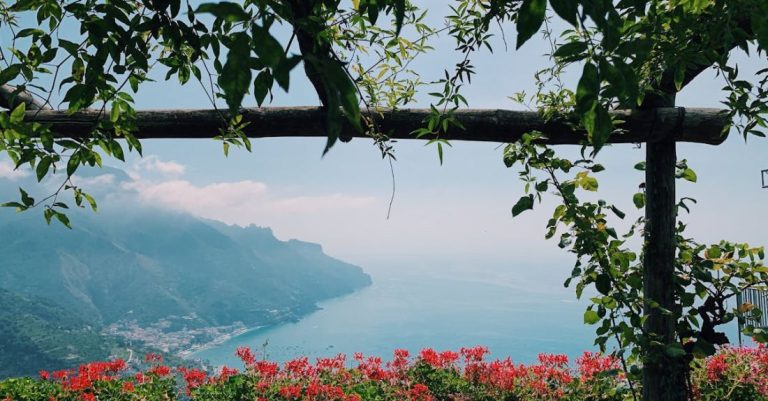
x=567, y=10
x=341, y=92
x=7, y=74
x=598, y=124
x=266, y=46
x=282, y=73
x=116, y=150
x=236, y=73
x=523, y=204
x=399, y=15
x=530, y=17
x=760, y=26
x=48, y=214
x=675, y=350
x=19, y=207
x=72, y=164
x=586, y=182
x=232, y=12
x=29, y=32
x=570, y=49
x=63, y=219
x=618, y=212
x=91, y=201
x=713, y=252
x=587, y=89
x=603, y=284
x=261, y=86
x=17, y=115
x=591, y=317
x=679, y=76
x=689, y=175
x=42, y=168
x=703, y=348
x=639, y=200
x=27, y=200
x=114, y=114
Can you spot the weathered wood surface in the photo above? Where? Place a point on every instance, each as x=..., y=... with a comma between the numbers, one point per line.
x=698, y=125
x=10, y=97
x=664, y=377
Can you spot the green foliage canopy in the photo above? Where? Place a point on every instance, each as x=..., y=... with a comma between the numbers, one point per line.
x=630, y=54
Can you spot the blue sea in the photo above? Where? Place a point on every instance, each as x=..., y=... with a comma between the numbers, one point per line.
x=515, y=311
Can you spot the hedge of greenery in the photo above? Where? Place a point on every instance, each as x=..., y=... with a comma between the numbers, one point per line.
x=732, y=374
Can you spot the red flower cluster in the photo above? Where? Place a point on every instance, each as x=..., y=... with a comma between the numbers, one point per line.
x=193, y=378
x=87, y=374
x=741, y=373
x=592, y=364
x=738, y=367
x=419, y=392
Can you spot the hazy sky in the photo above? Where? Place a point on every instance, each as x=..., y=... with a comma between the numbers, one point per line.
x=456, y=213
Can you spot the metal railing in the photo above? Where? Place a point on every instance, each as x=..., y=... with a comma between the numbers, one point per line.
x=765, y=178
x=757, y=298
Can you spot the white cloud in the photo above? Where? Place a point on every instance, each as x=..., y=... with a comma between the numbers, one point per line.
x=242, y=202
x=7, y=171
x=102, y=180
x=153, y=163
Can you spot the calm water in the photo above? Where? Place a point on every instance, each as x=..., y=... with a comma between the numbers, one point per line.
x=514, y=313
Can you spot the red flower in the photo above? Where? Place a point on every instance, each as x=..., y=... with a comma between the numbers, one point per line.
x=592, y=364
x=141, y=378
x=226, y=373
x=429, y=356
x=61, y=374
x=160, y=370
x=716, y=367
x=299, y=367
x=245, y=355
x=128, y=387
x=332, y=364
x=290, y=392
x=44, y=375
x=419, y=392
x=371, y=367
x=400, y=362
x=193, y=377
x=553, y=360
x=266, y=369
x=475, y=354
x=153, y=358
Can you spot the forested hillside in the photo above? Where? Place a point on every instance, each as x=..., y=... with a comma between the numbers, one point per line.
x=152, y=276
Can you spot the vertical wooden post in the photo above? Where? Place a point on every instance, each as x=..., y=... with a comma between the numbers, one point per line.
x=664, y=377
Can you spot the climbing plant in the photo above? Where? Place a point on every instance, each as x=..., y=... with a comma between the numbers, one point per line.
x=96, y=55
x=628, y=54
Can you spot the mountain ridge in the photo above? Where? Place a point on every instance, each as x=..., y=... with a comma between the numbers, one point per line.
x=164, y=277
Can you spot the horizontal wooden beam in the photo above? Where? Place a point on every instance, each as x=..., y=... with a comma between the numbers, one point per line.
x=689, y=125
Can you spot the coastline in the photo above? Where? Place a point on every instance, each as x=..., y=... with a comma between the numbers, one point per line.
x=292, y=317
x=189, y=352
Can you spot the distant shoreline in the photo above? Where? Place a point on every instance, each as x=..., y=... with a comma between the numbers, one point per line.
x=218, y=341
x=296, y=315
